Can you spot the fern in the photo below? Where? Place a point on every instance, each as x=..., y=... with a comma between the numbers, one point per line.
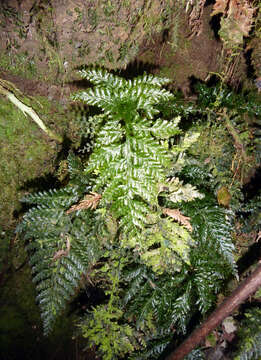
x=250, y=335
x=172, y=300
x=58, y=258
x=212, y=226
x=58, y=252
x=131, y=155
x=195, y=355
x=130, y=220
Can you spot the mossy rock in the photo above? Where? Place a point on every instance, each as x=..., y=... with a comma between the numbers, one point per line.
x=26, y=153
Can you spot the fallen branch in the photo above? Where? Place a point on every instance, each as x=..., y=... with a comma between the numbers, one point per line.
x=238, y=296
x=26, y=110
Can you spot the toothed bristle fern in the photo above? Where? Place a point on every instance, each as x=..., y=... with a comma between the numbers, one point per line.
x=127, y=222
x=130, y=154
x=131, y=158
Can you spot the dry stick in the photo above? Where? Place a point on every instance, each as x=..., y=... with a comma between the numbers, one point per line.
x=238, y=296
x=29, y=111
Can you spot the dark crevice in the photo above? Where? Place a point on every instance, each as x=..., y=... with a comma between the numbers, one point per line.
x=251, y=189
x=250, y=68
x=215, y=25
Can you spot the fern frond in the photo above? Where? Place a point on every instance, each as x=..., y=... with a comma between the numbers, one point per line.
x=154, y=348
x=195, y=355
x=101, y=77
x=58, y=246
x=149, y=79
x=76, y=173
x=61, y=198
x=58, y=268
x=177, y=191
x=212, y=225
x=207, y=282
x=250, y=336
x=181, y=310
x=160, y=129
x=102, y=98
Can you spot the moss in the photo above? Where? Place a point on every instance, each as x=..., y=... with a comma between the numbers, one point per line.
x=19, y=64
x=24, y=155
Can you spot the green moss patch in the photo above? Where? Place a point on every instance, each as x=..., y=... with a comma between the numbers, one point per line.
x=25, y=154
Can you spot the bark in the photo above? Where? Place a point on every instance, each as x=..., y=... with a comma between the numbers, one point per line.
x=238, y=296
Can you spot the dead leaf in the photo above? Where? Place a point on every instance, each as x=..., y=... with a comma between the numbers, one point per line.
x=176, y=215
x=90, y=201
x=220, y=6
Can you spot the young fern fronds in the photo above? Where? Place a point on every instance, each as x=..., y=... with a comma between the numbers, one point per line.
x=128, y=154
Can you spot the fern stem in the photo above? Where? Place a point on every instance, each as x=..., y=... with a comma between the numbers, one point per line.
x=244, y=290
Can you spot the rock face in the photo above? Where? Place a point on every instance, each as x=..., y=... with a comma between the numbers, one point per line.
x=49, y=38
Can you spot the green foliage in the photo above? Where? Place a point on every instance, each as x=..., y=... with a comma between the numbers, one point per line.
x=129, y=219
x=103, y=326
x=63, y=245
x=250, y=335
x=222, y=97
x=131, y=153
x=103, y=330
x=228, y=146
x=251, y=214
x=195, y=355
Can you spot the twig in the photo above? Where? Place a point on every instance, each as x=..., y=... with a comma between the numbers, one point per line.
x=26, y=110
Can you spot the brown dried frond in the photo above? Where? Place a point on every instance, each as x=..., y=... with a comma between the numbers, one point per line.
x=62, y=252
x=220, y=6
x=90, y=201
x=176, y=215
x=240, y=11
